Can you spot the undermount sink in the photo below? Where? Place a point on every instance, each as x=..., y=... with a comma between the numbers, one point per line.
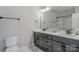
x=63, y=33
x=71, y=35
x=76, y=36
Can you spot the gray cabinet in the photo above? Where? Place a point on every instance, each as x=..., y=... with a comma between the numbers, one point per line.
x=52, y=43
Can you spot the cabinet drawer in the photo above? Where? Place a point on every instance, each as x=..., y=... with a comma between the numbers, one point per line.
x=62, y=40
x=47, y=42
x=56, y=47
x=66, y=40
x=46, y=48
x=47, y=36
x=71, y=49
x=43, y=35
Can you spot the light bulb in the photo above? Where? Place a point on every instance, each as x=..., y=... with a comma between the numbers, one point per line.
x=44, y=10
x=41, y=11
x=47, y=9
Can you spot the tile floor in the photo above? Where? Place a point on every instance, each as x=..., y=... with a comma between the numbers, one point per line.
x=28, y=48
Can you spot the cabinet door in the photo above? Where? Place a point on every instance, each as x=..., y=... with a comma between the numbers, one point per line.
x=56, y=47
x=71, y=49
x=37, y=39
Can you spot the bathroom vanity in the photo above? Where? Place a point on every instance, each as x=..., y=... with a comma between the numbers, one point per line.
x=56, y=42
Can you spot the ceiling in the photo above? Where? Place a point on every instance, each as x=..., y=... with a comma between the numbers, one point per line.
x=63, y=10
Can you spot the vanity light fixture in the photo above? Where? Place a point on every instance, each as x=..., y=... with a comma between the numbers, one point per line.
x=44, y=9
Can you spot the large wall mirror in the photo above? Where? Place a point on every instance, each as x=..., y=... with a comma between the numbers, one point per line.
x=57, y=17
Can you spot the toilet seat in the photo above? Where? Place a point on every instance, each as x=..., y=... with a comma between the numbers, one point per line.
x=12, y=49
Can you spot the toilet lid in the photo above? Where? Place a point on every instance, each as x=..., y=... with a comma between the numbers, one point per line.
x=12, y=49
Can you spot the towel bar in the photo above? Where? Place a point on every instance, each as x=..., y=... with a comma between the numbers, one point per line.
x=9, y=18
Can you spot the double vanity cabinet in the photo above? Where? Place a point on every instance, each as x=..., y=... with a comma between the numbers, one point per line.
x=54, y=43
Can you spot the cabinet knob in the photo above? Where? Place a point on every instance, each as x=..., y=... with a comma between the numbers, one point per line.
x=46, y=41
x=37, y=38
x=63, y=47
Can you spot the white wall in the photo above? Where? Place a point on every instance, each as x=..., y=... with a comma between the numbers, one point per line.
x=23, y=28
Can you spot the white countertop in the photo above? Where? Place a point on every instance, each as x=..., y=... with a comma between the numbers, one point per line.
x=75, y=37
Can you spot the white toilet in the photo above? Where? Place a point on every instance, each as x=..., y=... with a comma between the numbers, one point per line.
x=11, y=45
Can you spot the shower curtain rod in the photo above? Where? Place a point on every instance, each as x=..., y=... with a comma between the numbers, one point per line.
x=9, y=18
